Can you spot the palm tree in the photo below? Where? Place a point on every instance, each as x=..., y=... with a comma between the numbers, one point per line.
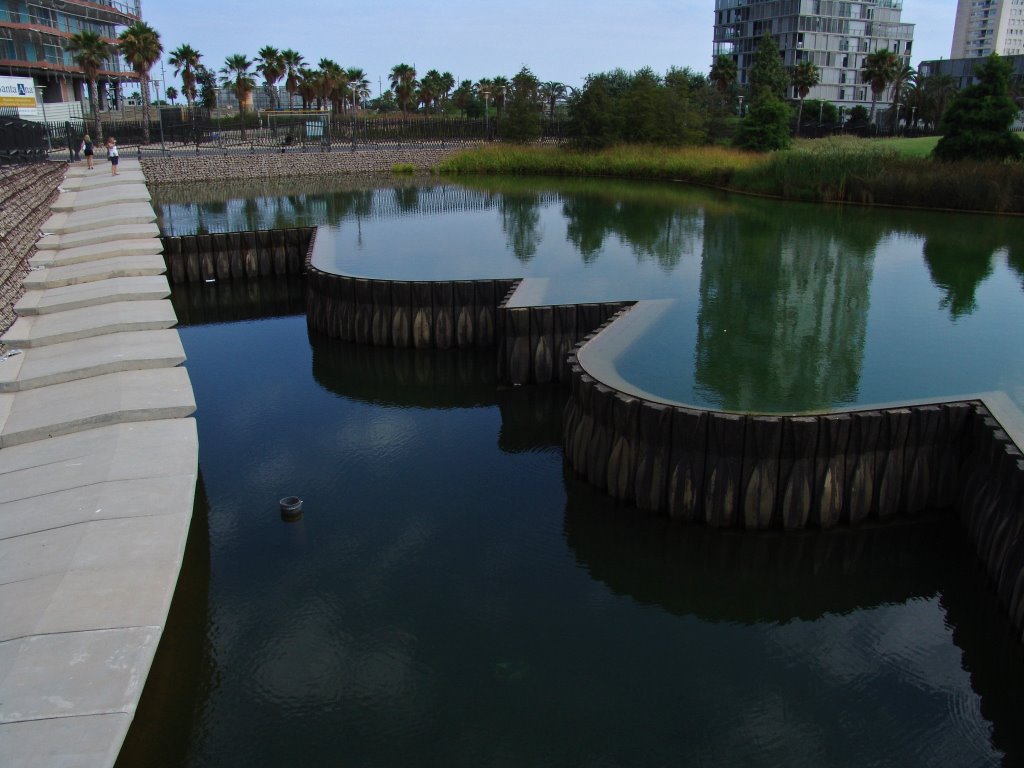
x=308, y=83
x=551, y=92
x=270, y=64
x=939, y=90
x=463, y=96
x=172, y=95
x=500, y=85
x=879, y=70
x=293, y=62
x=723, y=73
x=89, y=51
x=904, y=76
x=403, y=83
x=235, y=75
x=141, y=47
x=357, y=77
x=332, y=82
x=185, y=60
x=447, y=82
x=804, y=76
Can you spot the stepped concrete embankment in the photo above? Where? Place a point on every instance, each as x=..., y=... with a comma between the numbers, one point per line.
x=98, y=460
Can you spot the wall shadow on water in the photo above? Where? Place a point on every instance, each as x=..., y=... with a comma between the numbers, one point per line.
x=230, y=301
x=441, y=379
x=182, y=673
x=755, y=578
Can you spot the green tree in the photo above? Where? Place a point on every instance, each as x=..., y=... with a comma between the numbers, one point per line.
x=293, y=61
x=804, y=76
x=236, y=76
x=499, y=92
x=270, y=64
x=89, y=51
x=977, y=124
x=403, y=83
x=524, y=108
x=141, y=47
x=357, y=77
x=463, y=97
x=172, y=95
x=903, y=78
x=551, y=92
x=723, y=73
x=206, y=80
x=878, y=71
x=766, y=125
x=185, y=60
x=593, y=118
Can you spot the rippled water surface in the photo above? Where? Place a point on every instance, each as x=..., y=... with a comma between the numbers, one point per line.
x=452, y=598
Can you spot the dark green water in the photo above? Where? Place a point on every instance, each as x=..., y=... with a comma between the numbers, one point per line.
x=453, y=598
x=771, y=307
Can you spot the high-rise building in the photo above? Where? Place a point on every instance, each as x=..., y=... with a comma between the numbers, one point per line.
x=33, y=43
x=984, y=27
x=835, y=35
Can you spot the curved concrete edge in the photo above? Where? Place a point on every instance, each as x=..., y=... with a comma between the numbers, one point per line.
x=98, y=470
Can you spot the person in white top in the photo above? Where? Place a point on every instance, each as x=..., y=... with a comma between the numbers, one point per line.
x=112, y=154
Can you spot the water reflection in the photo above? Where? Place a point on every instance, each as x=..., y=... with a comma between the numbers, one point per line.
x=779, y=307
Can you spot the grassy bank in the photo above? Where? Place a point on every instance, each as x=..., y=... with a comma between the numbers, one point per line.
x=829, y=170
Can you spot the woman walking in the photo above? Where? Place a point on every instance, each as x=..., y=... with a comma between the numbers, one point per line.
x=87, y=149
x=112, y=154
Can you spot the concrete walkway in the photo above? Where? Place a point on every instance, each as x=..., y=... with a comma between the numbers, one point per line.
x=98, y=464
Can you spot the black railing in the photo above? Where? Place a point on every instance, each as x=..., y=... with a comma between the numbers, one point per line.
x=198, y=130
x=21, y=141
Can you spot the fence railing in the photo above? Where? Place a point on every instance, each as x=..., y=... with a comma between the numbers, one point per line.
x=312, y=130
x=21, y=141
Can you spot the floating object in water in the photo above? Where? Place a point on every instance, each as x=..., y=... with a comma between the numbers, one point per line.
x=291, y=508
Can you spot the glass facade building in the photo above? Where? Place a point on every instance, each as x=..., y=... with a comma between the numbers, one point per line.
x=33, y=43
x=835, y=35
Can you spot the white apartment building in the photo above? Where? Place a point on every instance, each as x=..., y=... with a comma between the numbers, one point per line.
x=984, y=27
x=836, y=35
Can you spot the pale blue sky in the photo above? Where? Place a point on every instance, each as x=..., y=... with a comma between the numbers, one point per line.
x=561, y=40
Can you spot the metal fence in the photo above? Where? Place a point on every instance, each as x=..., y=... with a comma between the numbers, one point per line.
x=21, y=141
x=199, y=131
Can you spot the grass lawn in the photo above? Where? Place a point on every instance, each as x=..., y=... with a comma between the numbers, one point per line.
x=919, y=147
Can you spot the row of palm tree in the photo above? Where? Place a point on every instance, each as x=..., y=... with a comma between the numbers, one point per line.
x=140, y=45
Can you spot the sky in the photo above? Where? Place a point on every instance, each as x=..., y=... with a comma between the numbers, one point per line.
x=561, y=40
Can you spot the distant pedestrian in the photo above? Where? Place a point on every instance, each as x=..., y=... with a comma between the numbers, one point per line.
x=87, y=149
x=112, y=154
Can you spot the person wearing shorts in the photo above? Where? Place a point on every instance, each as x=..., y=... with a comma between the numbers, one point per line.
x=112, y=154
x=87, y=149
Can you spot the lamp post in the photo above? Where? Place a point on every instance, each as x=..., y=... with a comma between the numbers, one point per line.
x=821, y=112
x=159, y=114
x=487, y=131
x=897, y=126
x=913, y=117
x=42, y=103
x=741, y=106
x=355, y=94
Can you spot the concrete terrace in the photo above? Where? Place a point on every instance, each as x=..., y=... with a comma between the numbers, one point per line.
x=98, y=466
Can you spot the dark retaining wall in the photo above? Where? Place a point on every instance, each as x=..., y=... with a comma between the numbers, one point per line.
x=236, y=255
x=533, y=343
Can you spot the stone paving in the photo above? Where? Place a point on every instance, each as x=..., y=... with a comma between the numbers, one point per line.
x=98, y=466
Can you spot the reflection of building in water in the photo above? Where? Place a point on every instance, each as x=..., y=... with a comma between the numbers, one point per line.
x=783, y=317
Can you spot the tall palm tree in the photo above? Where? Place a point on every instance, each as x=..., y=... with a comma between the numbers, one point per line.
x=463, y=96
x=940, y=89
x=356, y=76
x=332, y=83
x=308, y=84
x=551, y=92
x=185, y=60
x=878, y=71
x=446, y=83
x=500, y=85
x=235, y=75
x=270, y=64
x=723, y=73
x=804, y=76
x=903, y=77
x=89, y=51
x=293, y=62
x=403, y=83
x=141, y=47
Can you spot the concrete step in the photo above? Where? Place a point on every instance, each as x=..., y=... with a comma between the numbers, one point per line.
x=60, y=327
x=62, y=258
x=78, y=295
x=54, y=242
x=99, y=197
x=90, y=271
x=96, y=356
x=114, y=398
x=109, y=215
x=80, y=179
